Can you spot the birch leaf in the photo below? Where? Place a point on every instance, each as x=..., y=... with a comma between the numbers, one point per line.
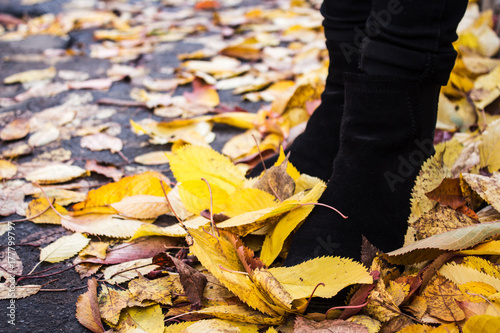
x=460, y=274
x=216, y=252
x=87, y=309
x=488, y=188
x=64, y=248
x=148, y=320
x=31, y=75
x=273, y=243
x=335, y=272
x=147, y=183
x=110, y=225
x=196, y=162
x=57, y=173
x=142, y=206
x=454, y=240
x=489, y=149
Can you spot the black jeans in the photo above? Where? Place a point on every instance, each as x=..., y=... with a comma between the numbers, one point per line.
x=405, y=38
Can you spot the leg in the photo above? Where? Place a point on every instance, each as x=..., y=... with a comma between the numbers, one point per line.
x=314, y=150
x=387, y=129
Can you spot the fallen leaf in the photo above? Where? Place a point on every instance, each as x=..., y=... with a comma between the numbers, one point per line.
x=101, y=141
x=482, y=323
x=441, y=296
x=129, y=270
x=160, y=290
x=489, y=147
x=64, y=248
x=37, y=206
x=148, y=319
x=15, y=130
x=56, y=173
x=18, y=292
x=110, y=225
x=7, y=169
x=153, y=158
x=44, y=136
x=192, y=281
x=87, y=309
x=486, y=187
x=303, y=325
x=440, y=219
x=113, y=301
x=31, y=75
x=147, y=183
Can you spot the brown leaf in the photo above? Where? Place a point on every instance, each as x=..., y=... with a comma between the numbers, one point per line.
x=448, y=193
x=112, y=302
x=303, y=325
x=440, y=219
x=15, y=130
x=441, y=296
x=144, y=247
x=192, y=281
x=368, y=252
x=106, y=170
x=277, y=182
x=87, y=309
x=160, y=290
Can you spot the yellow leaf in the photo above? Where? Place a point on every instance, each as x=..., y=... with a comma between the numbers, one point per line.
x=195, y=162
x=461, y=274
x=159, y=290
x=248, y=222
x=195, y=196
x=7, y=169
x=32, y=75
x=290, y=169
x=246, y=200
x=153, y=158
x=441, y=296
x=174, y=230
x=142, y=206
x=272, y=288
x=489, y=148
x=219, y=257
x=482, y=265
x=148, y=320
x=211, y=326
x=440, y=219
x=37, y=206
x=371, y=324
x=450, y=150
x=473, y=289
x=56, y=173
x=62, y=197
x=113, y=301
x=240, y=313
x=482, y=323
x=381, y=304
x=273, y=244
x=488, y=188
x=64, y=248
x=126, y=271
x=489, y=248
x=335, y=272
x=244, y=120
x=416, y=328
x=147, y=183
x=431, y=175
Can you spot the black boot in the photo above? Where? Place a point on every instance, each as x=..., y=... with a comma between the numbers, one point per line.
x=387, y=133
x=313, y=151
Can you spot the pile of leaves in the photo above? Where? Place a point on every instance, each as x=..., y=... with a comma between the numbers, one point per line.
x=217, y=267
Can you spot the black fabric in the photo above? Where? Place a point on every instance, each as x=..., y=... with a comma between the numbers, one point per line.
x=313, y=151
x=404, y=38
x=387, y=132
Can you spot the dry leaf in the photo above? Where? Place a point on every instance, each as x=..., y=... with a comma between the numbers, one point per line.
x=303, y=325
x=44, y=136
x=153, y=158
x=56, y=173
x=441, y=296
x=32, y=75
x=7, y=169
x=101, y=141
x=106, y=170
x=87, y=309
x=64, y=248
x=15, y=130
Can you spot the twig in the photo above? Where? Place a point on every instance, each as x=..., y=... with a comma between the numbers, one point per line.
x=212, y=223
x=260, y=153
x=323, y=205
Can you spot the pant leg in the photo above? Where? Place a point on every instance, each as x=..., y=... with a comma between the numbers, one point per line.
x=412, y=38
x=343, y=18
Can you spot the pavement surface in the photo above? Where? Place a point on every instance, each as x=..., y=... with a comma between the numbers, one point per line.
x=54, y=311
